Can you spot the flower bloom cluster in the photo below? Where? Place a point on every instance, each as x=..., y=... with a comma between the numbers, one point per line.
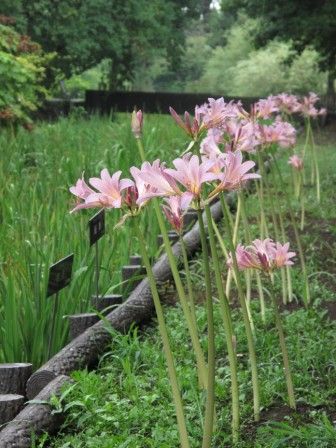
x=185, y=182
x=296, y=162
x=263, y=255
x=289, y=104
x=108, y=194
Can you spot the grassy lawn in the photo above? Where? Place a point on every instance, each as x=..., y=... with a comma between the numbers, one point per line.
x=126, y=402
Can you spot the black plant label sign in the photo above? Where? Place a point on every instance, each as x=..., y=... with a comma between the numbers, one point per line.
x=60, y=275
x=97, y=226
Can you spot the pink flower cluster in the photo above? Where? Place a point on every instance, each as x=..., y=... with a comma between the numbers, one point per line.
x=185, y=181
x=264, y=255
x=289, y=104
x=296, y=162
x=280, y=132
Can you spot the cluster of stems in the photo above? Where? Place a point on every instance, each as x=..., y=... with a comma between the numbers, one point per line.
x=206, y=369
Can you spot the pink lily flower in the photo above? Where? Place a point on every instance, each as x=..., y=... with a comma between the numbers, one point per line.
x=246, y=137
x=192, y=174
x=174, y=211
x=109, y=191
x=265, y=108
x=81, y=189
x=282, y=256
x=287, y=103
x=280, y=132
x=264, y=255
x=308, y=106
x=156, y=181
x=296, y=162
x=111, y=186
x=216, y=112
x=235, y=173
x=209, y=147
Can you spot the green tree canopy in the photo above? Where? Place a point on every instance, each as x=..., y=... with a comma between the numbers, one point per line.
x=83, y=32
x=306, y=23
x=22, y=71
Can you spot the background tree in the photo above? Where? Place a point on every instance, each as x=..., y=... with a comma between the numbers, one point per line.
x=22, y=72
x=84, y=32
x=306, y=23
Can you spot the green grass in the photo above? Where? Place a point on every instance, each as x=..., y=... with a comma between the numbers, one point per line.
x=36, y=171
x=127, y=402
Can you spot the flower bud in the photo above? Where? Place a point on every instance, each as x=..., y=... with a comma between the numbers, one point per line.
x=137, y=123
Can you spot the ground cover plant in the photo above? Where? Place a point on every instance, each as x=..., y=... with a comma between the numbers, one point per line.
x=216, y=167
x=36, y=170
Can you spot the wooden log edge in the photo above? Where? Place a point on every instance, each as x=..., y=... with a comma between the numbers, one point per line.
x=35, y=418
x=14, y=376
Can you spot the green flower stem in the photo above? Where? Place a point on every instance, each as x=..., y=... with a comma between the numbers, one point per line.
x=260, y=193
x=141, y=149
x=225, y=254
x=227, y=326
x=274, y=220
x=210, y=400
x=288, y=375
x=235, y=236
x=317, y=171
x=201, y=365
x=236, y=225
x=296, y=233
x=249, y=240
x=250, y=341
x=188, y=278
x=307, y=136
x=302, y=203
x=166, y=344
x=287, y=273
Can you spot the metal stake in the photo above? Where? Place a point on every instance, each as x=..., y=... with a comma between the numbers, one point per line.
x=97, y=270
x=54, y=312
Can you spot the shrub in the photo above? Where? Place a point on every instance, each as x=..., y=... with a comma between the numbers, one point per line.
x=22, y=71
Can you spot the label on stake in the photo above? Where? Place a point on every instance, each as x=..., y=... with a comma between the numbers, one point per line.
x=60, y=275
x=97, y=226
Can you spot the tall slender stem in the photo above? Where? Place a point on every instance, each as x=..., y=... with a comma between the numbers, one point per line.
x=166, y=344
x=296, y=233
x=249, y=240
x=260, y=194
x=287, y=272
x=250, y=341
x=210, y=401
x=227, y=326
x=201, y=365
x=189, y=282
x=274, y=219
x=317, y=171
x=288, y=375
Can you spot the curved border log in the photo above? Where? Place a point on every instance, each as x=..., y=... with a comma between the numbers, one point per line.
x=86, y=348
x=35, y=418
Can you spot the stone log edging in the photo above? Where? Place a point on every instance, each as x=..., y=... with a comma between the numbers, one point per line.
x=35, y=418
x=86, y=348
